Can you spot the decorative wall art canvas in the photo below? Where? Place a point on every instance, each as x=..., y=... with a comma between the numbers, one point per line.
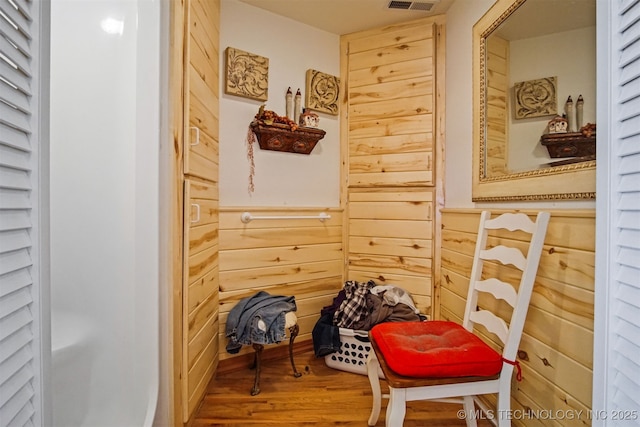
x=536, y=98
x=322, y=92
x=247, y=74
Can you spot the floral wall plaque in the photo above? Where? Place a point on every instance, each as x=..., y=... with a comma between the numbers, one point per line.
x=536, y=98
x=322, y=92
x=247, y=74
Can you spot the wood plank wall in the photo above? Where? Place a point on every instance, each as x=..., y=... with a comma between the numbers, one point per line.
x=391, y=240
x=299, y=257
x=390, y=118
x=556, y=351
x=200, y=272
x=497, y=105
x=200, y=292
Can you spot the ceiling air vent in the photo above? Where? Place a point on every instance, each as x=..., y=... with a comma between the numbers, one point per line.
x=410, y=5
x=405, y=5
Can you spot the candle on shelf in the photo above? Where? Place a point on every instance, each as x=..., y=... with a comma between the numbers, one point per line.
x=297, y=109
x=289, y=104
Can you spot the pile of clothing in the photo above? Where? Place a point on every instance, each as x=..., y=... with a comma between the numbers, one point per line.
x=258, y=319
x=361, y=306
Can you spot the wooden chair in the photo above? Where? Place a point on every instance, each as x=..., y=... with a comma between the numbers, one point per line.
x=445, y=361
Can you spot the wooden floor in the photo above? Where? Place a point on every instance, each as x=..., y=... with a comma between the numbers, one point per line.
x=321, y=397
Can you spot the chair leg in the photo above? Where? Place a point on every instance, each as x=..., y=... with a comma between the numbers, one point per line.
x=372, y=372
x=257, y=364
x=470, y=411
x=504, y=405
x=397, y=407
x=294, y=333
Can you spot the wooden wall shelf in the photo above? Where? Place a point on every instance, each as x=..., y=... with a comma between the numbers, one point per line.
x=278, y=137
x=570, y=144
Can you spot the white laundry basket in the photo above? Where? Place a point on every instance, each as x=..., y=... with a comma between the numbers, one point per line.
x=353, y=353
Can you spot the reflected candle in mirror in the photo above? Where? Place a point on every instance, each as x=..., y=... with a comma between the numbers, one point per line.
x=579, y=111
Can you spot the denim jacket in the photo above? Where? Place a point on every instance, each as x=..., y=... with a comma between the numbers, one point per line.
x=258, y=319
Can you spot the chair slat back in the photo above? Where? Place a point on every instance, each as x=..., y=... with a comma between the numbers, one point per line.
x=511, y=222
x=505, y=255
x=499, y=290
x=518, y=298
x=493, y=323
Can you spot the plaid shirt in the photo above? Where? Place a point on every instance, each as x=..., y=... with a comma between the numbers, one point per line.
x=354, y=308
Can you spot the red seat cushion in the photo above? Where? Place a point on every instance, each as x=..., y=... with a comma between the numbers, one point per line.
x=434, y=349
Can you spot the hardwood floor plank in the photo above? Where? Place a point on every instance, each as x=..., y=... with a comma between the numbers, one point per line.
x=321, y=396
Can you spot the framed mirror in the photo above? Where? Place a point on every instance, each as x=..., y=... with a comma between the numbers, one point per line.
x=529, y=57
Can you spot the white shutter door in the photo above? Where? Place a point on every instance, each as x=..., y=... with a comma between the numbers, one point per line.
x=618, y=364
x=20, y=362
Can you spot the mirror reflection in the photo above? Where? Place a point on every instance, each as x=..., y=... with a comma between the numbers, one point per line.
x=540, y=87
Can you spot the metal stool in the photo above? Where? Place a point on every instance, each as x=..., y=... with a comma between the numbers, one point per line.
x=291, y=323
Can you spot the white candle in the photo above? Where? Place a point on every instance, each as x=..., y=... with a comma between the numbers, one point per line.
x=297, y=109
x=289, y=104
x=579, y=111
x=571, y=125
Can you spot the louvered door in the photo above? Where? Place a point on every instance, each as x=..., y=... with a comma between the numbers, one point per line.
x=21, y=211
x=617, y=340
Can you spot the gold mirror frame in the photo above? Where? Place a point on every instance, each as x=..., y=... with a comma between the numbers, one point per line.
x=570, y=182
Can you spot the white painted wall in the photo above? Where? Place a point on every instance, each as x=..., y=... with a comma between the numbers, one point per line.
x=284, y=179
x=281, y=179
x=461, y=17
x=571, y=57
